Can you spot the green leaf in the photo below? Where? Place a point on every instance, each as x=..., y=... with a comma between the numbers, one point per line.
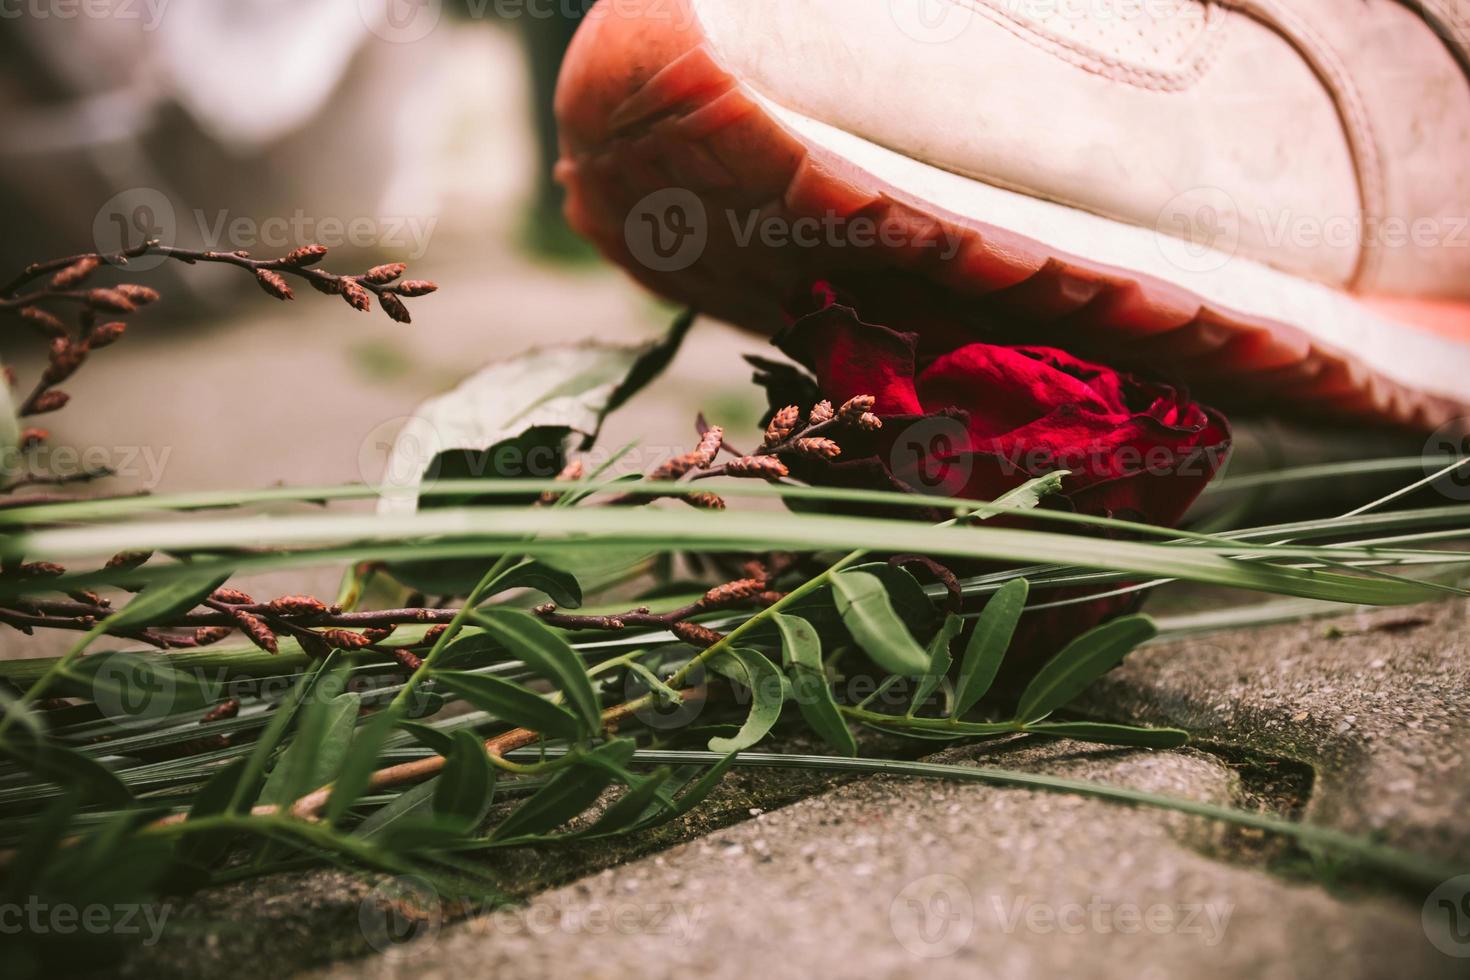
x=694, y=795
x=939, y=661
x=1081, y=662
x=548, y=655
x=412, y=804
x=760, y=676
x=513, y=703
x=802, y=651
x=66, y=767
x=222, y=794
x=13, y=707
x=360, y=764
x=1028, y=495
x=986, y=650
x=910, y=602
x=265, y=746
x=565, y=392
x=866, y=611
x=316, y=752
x=467, y=784
x=568, y=793
x=160, y=602
x=559, y=586
x=629, y=809
x=1086, y=731
x=436, y=741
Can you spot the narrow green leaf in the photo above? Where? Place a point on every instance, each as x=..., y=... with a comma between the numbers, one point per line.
x=360, y=764
x=66, y=767
x=13, y=707
x=467, y=784
x=1028, y=496
x=160, y=602
x=130, y=687
x=436, y=741
x=560, y=586
x=222, y=794
x=510, y=702
x=802, y=652
x=1081, y=662
x=550, y=656
x=629, y=808
x=413, y=803
x=868, y=614
x=35, y=851
x=694, y=795
x=939, y=661
x=987, y=647
x=316, y=751
x=1086, y=731
x=568, y=793
x=760, y=676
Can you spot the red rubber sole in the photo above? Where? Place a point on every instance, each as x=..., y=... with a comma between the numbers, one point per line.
x=645, y=107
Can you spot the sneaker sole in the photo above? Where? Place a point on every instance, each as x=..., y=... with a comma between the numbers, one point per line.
x=671, y=165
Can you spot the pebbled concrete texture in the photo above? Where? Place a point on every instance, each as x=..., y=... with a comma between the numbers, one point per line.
x=1378, y=704
x=890, y=877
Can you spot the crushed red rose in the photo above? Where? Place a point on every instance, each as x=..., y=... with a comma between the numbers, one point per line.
x=976, y=419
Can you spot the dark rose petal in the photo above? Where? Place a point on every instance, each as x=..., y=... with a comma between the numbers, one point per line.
x=850, y=357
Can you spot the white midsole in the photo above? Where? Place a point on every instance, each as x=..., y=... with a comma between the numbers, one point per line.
x=1416, y=359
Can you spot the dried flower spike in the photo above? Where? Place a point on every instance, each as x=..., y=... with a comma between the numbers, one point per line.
x=705, y=501
x=75, y=274
x=205, y=635
x=695, y=635
x=381, y=275
x=765, y=467
x=274, y=283
x=569, y=473
x=254, y=627
x=31, y=438
x=733, y=592
x=869, y=422
x=407, y=660
x=40, y=569
x=332, y=287
x=66, y=357
x=856, y=407
x=356, y=297
x=377, y=634
x=298, y=605
x=128, y=560
x=432, y=634
x=344, y=639
x=709, y=445
x=232, y=597
x=49, y=401
x=821, y=413
x=106, y=335
x=783, y=423
x=110, y=300
x=305, y=255
x=138, y=295
x=818, y=448
x=221, y=711
x=45, y=322
x=416, y=287
x=394, y=307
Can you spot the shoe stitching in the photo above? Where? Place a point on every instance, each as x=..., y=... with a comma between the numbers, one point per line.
x=1116, y=69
